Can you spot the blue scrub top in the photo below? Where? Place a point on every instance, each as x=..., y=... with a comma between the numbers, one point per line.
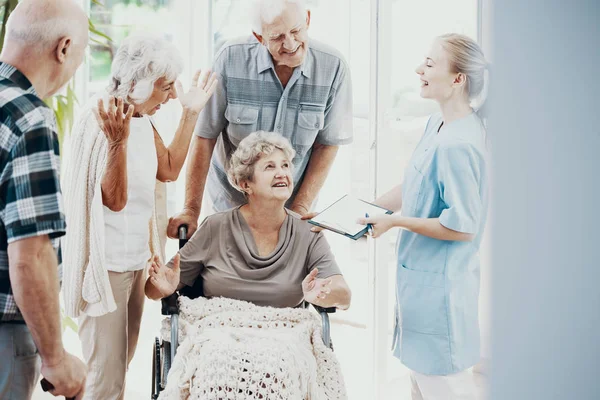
x=437, y=288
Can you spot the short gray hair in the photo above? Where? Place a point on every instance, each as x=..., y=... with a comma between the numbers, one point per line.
x=265, y=11
x=141, y=60
x=40, y=32
x=250, y=150
x=39, y=24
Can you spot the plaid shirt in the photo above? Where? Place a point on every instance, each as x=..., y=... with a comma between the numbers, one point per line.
x=30, y=197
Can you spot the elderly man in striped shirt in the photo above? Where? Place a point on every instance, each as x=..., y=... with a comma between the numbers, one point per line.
x=275, y=80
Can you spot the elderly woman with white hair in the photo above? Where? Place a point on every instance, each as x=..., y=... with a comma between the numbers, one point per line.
x=258, y=252
x=261, y=253
x=116, y=156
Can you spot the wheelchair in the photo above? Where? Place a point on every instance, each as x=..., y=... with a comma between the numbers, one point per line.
x=163, y=352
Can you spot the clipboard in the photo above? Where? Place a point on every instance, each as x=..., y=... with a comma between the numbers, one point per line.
x=340, y=217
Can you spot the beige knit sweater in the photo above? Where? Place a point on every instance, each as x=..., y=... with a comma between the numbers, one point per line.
x=86, y=287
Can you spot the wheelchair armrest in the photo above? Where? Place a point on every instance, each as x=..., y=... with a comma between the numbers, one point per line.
x=326, y=328
x=328, y=310
x=170, y=305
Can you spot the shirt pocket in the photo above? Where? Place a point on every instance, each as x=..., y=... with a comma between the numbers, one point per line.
x=243, y=120
x=311, y=119
x=422, y=301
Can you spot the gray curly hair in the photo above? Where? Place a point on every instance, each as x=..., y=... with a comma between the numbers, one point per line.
x=250, y=150
x=141, y=60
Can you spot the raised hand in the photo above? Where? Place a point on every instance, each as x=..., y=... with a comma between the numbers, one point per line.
x=112, y=121
x=315, y=289
x=203, y=86
x=164, y=279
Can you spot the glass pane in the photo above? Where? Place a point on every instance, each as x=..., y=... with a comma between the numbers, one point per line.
x=117, y=19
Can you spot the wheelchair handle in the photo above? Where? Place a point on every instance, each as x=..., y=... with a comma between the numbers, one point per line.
x=182, y=234
x=182, y=230
x=46, y=386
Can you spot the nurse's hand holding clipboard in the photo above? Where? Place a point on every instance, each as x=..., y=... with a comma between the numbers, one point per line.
x=379, y=224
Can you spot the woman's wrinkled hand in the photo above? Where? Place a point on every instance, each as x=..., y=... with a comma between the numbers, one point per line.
x=380, y=224
x=315, y=289
x=203, y=86
x=113, y=122
x=164, y=279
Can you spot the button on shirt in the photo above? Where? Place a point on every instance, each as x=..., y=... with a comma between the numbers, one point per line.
x=314, y=107
x=30, y=197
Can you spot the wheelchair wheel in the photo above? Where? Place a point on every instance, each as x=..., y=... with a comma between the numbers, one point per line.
x=166, y=362
x=156, y=369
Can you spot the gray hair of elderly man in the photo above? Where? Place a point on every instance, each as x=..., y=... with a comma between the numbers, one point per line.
x=265, y=11
x=38, y=24
x=140, y=61
x=250, y=150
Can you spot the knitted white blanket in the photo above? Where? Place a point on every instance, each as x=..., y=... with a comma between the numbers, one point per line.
x=86, y=286
x=232, y=349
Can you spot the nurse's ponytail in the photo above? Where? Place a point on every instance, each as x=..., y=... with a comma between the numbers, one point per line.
x=466, y=57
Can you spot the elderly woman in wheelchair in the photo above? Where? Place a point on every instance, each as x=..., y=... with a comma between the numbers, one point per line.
x=262, y=254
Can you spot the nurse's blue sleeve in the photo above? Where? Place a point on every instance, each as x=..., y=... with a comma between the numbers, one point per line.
x=459, y=179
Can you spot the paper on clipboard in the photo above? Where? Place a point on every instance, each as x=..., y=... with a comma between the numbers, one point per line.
x=342, y=215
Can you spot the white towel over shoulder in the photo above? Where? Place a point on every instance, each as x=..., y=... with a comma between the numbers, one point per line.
x=86, y=286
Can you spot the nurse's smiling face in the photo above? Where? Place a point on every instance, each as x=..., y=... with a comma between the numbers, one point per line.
x=438, y=81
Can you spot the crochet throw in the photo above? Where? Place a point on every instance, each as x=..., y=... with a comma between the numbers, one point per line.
x=231, y=349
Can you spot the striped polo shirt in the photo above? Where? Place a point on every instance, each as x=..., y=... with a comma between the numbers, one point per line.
x=314, y=107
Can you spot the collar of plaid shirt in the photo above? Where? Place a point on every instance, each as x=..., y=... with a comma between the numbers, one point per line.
x=9, y=72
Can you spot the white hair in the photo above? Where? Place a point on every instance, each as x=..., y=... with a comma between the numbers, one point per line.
x=38, y=25
x=141, y=60
x=250, y=150
x=265, y=11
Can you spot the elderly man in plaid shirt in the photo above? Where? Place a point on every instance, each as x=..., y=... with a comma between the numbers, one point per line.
x=45, y=44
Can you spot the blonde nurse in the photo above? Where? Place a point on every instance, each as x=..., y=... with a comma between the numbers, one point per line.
x=443, y=202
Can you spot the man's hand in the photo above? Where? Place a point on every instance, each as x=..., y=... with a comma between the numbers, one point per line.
x=315, y=289
x=185, y=217
x=311, y=215
x=203, y=86
x=112, y=121
x=67, y=375
x=300, y=209
x=164, y=279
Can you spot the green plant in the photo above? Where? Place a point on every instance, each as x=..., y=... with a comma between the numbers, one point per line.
x=6, y=8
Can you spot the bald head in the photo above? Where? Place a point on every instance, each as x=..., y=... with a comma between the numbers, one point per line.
x=46, y=41
x=41, y=23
